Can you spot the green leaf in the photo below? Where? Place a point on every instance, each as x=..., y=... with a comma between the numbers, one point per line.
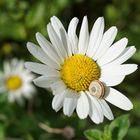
x=112, y=13
x=93, y=134
x=133, y=133
x=1, y=132
x=36, y=15
x=12, y=30
x=136, y=109
x=107, y=133
x=119, y=127
x=28, y=137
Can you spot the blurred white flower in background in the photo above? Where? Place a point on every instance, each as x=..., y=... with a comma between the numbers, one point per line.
x=15, y=80
x=81, y=72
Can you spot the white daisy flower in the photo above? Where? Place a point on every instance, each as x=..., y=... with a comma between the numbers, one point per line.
x=82, y=71
x=16, y=81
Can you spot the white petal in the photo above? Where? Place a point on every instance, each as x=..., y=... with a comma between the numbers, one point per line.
x=57, y=25
x=113, y=52
x=124, y=56
x=124, y=69
x=28, y=88
x=27, y=76
x=95, y=36
x=45, y=81
x=111, y=80
x=82, y=106
x=66, y=43
x=83, y=37
x=28, y=91
x=106, y=42
x=11, y=97
x=61, y=32
x=16, y=65
x=58, y=100
x=41, y=55
x=106, y=109
x=59, y=90
x=57, y=43
x=16, y=96
x=41, y=69
x=72, y=35
x=70, y=103
x=46, y=46
x=95, y=112
x=57, y=87
x=7, y=67
x=118, y=99
x=14, y=62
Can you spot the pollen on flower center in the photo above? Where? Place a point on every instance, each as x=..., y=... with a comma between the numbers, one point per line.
x=79, y=71
x=13, y=82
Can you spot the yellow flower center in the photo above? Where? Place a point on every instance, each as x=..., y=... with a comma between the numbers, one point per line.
x=79, y=71
x=13, y=82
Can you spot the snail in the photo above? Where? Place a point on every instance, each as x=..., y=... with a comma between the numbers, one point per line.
x=97, y=89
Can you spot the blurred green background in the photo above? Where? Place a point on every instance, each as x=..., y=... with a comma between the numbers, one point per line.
x=19, y=21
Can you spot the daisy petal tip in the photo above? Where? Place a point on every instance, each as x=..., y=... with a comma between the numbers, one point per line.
x=55, y=109
x=102, y=19
x=52, y=18
x=35, y=82
x=125, y=40
x=68, y=115
x=97, y=122
x=55, y=17
x=75, y=19
x=133, y=47
x=130, y=107
x=115, y=29
x=52, y=105
x=28, y=44
x=48, y=26
x=111, y=118
x=82, y=117
x=37, y=33
x=85, y=17
x=135, y=67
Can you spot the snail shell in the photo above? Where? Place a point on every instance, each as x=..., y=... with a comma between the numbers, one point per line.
x=97, y=89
